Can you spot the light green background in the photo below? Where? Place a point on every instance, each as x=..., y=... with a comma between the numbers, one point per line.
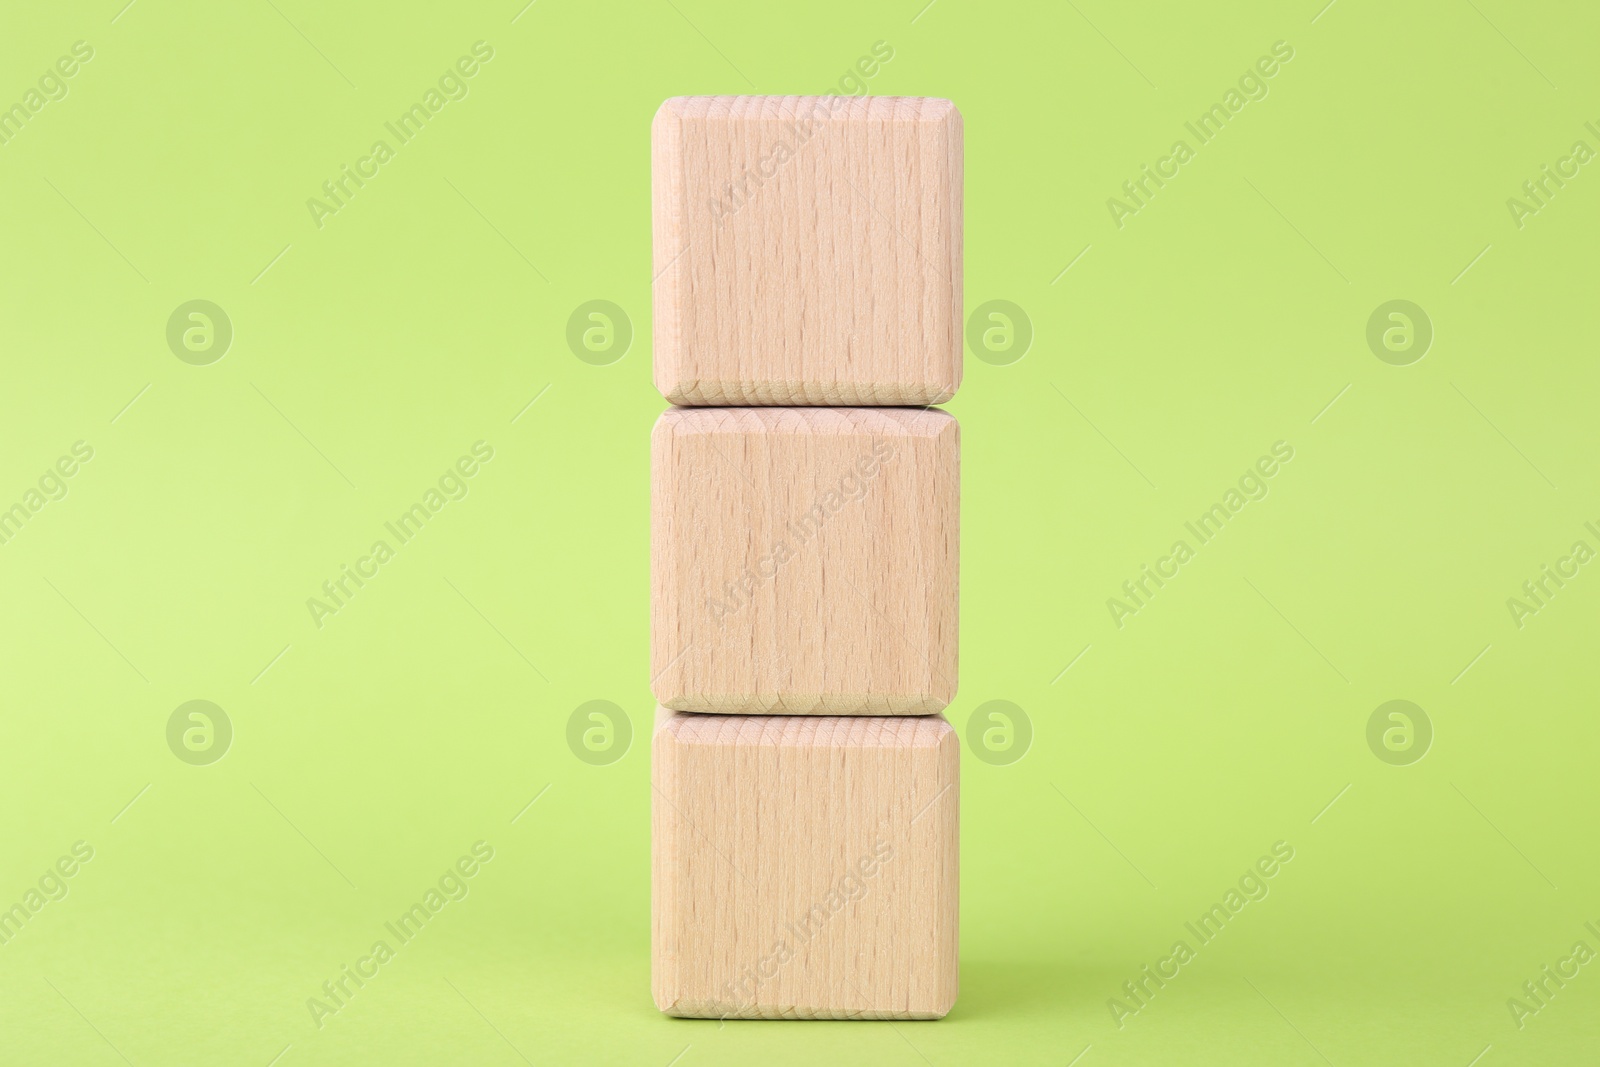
x=369, y=354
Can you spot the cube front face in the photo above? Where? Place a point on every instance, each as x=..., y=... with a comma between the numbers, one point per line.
x=807, y=250
x=804, y=561
x=804, y=867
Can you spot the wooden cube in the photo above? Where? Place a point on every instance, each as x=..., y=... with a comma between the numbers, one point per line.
x=803, y=560
x=804, y=867
x=807, y=250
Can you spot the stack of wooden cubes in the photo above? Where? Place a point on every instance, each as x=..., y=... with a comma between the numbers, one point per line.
x=805, y=501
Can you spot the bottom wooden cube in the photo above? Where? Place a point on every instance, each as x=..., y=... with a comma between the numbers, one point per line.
x=804, y=866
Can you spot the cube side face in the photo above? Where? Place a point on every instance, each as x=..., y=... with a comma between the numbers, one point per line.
x=808, y=250
x=667, y=225
x=808, y=867
x=955, y=146
x=666, y=857
x=804, y=561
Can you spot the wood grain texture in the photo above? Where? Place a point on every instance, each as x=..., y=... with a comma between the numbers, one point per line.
x=804, y=867
x=807, y=250
x=804, y=560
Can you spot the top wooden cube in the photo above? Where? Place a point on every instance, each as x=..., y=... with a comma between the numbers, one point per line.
x=807, y=250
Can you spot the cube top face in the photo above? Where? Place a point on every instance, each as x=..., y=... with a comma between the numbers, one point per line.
x=804, y=867
x=807, y=250
x=804, y=560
